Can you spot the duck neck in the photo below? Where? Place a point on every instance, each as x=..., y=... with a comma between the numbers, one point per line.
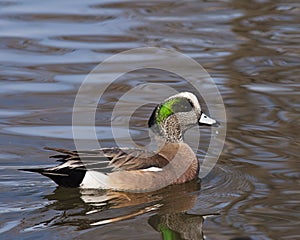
x=171, y=130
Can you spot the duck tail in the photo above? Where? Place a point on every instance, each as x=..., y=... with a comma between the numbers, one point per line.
x=62, y=177
x=37, y=170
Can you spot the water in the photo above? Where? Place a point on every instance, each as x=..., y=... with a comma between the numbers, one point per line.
x=250, y=48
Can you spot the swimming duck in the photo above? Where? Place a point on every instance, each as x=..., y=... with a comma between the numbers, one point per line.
x=137, y=170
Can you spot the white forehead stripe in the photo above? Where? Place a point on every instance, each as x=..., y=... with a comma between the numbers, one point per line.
x=189, y=96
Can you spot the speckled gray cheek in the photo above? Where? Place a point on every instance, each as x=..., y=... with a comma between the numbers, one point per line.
x=172, y=129
x=187, y=119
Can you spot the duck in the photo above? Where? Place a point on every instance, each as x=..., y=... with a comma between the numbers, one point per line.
x=134, y=169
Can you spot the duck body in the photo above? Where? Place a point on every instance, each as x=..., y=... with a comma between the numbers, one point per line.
x=137, y=170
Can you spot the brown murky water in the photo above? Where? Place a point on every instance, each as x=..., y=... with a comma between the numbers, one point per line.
x=250, y=48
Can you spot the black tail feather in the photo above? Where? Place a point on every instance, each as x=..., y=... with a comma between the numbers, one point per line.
x=63, y=177
x=37, y=170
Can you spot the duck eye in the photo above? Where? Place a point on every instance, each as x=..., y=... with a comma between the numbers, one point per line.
x=182, y=106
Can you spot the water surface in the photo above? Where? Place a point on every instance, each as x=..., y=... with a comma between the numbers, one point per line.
x=250, y=48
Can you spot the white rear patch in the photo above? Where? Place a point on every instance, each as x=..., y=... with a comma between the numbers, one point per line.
x=95, y=179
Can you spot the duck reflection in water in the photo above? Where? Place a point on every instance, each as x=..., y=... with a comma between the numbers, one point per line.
x=169, y=206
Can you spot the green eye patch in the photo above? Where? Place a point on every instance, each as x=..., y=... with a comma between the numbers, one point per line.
x=173, y=106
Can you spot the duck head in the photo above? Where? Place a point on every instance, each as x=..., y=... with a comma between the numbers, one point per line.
x=176, y=114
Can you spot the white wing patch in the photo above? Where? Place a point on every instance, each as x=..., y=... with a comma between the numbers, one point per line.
x=152, y=169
